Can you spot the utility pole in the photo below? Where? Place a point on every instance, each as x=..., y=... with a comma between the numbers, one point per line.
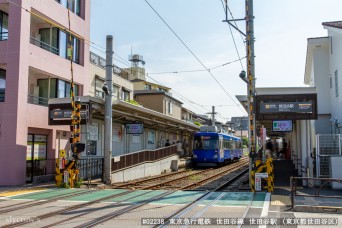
x=250, y=79
x=251, y=84
x=108, y=89
x=213, y=116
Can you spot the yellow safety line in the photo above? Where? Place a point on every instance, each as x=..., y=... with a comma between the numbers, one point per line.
x=20, y=192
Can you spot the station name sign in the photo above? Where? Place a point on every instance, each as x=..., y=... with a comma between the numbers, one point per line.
x=279, y=107
x=66, y=114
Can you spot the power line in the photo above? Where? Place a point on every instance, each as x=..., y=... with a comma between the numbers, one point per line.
x=181, y=96
x=194, y=55
x=89, y=42
x=191, y=71
x=231, y=32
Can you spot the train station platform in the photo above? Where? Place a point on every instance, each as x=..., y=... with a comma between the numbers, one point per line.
x=303, y=202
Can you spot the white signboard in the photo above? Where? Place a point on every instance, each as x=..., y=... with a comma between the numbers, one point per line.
x=261, y=175
x=257, y=183
x=93, y=132
x=66, y=177
x=135, y=139
x=116, y=159
x=117, y=134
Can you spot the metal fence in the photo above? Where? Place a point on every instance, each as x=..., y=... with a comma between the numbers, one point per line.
x=37, y=100
x=315, y=191
x=43, y=45
x=327, y=146
x=91, y=168
x=125, y=161
x=40, y=167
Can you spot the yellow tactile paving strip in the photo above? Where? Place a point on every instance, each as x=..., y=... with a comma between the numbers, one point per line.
x=20, y=192
x=279, y=200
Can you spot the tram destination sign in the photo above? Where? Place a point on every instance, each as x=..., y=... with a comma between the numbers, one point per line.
x=282, y=107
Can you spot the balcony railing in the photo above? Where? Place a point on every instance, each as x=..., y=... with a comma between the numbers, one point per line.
x=37, y=100
x=101, y=62
x=3, y=36
x=43, y=45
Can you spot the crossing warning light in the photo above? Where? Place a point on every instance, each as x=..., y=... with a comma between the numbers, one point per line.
x=77, y=147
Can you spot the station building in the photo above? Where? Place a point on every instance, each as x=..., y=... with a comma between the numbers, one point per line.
x=313, y=113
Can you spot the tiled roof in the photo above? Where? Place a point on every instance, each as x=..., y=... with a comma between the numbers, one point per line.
x=334, y=24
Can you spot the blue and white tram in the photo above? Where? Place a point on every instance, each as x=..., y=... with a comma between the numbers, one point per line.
x=212, y=148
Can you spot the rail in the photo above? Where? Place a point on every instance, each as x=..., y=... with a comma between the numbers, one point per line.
x=317, y=189
x=132, y=159
x=43, y=45
x=91, y=168
x=37, y=100
x=3, y=36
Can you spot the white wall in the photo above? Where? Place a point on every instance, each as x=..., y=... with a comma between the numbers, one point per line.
x=322, y=78
x=335, y=60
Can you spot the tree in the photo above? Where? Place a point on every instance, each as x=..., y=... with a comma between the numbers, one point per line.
x=244, y=141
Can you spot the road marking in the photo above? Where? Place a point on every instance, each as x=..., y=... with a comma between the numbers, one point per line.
x=21, y=192
x=265, y=208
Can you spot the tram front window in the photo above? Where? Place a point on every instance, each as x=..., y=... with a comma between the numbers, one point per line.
x=206, y=143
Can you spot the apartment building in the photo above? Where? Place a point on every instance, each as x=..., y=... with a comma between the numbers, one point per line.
x=36, y=49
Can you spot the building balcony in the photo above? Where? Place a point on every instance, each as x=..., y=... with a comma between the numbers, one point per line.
x=31, y=99
x=3, y=36
x=43, y=45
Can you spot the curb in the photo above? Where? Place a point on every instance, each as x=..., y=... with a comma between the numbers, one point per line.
x=318, y=209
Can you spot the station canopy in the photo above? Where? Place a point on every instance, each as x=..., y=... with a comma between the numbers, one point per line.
x=122, y=112
x=276, y=108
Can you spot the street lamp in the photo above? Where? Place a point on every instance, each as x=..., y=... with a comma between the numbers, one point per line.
x=242, y=75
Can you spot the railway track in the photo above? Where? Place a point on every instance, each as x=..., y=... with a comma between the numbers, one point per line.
x=121, y=207
x=187, y=179
x=23, y=205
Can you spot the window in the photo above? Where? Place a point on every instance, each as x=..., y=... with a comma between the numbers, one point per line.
x=92, y=147
x=49, y=39
x=2, y=85
x=98, y=87
x=336, y=83
x=148, y=87
x=58, y=88
x=330, y=82
x=73, y=5
x=3, y=26
x=169, y=107
x=116, y=90
x=69, y=47
x=124, y=95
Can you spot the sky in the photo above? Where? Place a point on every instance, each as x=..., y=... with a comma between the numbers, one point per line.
x=281, y=29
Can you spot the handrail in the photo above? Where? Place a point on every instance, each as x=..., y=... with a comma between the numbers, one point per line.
x=3, y=36
x=317, y=189
x=31, y=99
x=43, y=45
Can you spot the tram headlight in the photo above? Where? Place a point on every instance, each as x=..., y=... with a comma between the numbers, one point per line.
x=194, y=156
x=215, y=156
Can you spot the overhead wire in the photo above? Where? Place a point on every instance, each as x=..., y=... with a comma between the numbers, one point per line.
x=231, y=32
x=93, y=44
x=181, y=96
x=90, y=43
x=231, y=14
x=193, y=54
x=191, y=71
x=65, y=29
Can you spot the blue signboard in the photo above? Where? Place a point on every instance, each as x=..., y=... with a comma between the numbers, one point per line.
x=135, y=128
